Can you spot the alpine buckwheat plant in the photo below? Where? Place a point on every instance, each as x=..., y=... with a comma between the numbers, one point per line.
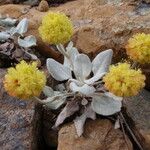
x=86, y=87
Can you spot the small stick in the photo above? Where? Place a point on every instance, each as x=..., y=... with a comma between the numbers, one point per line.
x=132, y=134
x=123, y=130
x=134, y=65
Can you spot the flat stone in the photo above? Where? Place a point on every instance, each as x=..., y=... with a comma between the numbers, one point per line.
x=98, y=135
x=138, y=111
x=19, y=122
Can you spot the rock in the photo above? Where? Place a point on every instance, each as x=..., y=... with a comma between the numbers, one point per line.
x=91, y=42
x=98, y=135
x=19, y=122
x=147, y=1
x=138, y=112
x=15, y=11
x=43, y=6
x=2, y=2
x=28, y=2
x=50, y=135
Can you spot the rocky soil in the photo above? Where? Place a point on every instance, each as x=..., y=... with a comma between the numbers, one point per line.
x=99, y=25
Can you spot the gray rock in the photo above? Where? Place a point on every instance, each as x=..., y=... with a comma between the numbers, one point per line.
x=138, y=111
x=19, y=122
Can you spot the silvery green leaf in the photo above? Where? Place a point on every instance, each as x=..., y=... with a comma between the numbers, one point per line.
x=57, y=93
x=69, y=46
x=79, y=83
x=84, y=102
x=48, y=91
x=27, y=42
x=58, y=71
x=69, y=109
x=61, y=48
x=84, y=89
x=102, y=61
x=72, y=53
x=114, y=96
x=105, y=105
x=117, y=124
x=8, y=21
x=11, y=31
x=95, y=78
x=54, y=103
x=22, y=27
x=82, y=66
x=4, y=36
x=33, y=57
x=60, y=87
x=100, y=65
x=80, y=121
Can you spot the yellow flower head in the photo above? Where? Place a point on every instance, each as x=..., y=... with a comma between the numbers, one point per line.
x=124, y=81
x=138, y=48
x=56, y=28
x=24, y=81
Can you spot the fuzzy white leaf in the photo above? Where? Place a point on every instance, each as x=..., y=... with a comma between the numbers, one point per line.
x=33, y=57
x=82, y=66
x=102, y=61
x=104, y=105
x=27, y=42
x=72, y=53
x=100, y=66
x=57, y=70
x=84, y=102
x=4, y=36
x=80, y=121
x=60, y=87
x=61, y=48
x=68, y=110
x=8, y=21
x=117, y=124
x=95, y=78
x=114, y=96
x=48, y=91
x=55, y=103
x=12, y=31
x=22, y=27
x=69, y=46
x=84, y=89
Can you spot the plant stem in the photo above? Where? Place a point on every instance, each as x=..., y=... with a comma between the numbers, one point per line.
x=134, y=65
x=53, y=98
x=132, y=134
x=124, y=134
x=62, y=50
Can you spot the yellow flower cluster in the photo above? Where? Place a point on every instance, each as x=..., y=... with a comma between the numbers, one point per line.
x=24, y=81
x=138, y=48
x=56, y=28
x=124, y=81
